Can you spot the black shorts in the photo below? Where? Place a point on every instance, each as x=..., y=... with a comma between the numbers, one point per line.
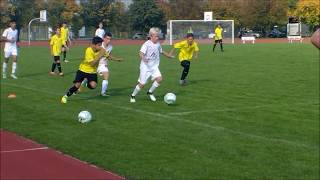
x=80, y=76
x=185, y=63
x=56, y=58
x=218, y=41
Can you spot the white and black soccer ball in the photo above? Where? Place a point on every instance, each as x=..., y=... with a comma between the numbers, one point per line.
x=84, y=117
x=170, y=98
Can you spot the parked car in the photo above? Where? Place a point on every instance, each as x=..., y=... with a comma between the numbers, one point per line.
x=249, y=33
x=201, y=35
x=139, y=35
x=275, y=33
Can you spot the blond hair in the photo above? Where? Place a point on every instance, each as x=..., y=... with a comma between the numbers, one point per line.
x=154, y=30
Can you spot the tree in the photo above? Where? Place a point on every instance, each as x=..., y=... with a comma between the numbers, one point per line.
x=145, y=14
x=308, y=11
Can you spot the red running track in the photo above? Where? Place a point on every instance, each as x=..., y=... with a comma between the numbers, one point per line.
x=24, y=159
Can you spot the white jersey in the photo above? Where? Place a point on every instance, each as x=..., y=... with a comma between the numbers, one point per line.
x=152, y=54
x=100, y=32
x=104, y=60
x=10, y=34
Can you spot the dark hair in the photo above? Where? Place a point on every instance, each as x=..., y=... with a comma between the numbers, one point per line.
x=107, y=34
x=189, y=35
x=96, y=40
x=12, y=21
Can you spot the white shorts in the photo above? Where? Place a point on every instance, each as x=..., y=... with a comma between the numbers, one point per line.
x=102, y=68
x=11, y=51
x=145, y=74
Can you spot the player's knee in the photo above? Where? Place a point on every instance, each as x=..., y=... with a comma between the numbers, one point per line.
x=140, y=85
x=158, y=79
x=77, y=85
x=92, y=85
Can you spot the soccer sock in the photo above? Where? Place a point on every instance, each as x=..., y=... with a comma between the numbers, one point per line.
x=14, y=67
x=155, y=84
x=185, y=71
x=104, y=86
x=53, y=67
x=4, y=67
x=214, y=46
x=72, y=90
x=221, y=46
x=64, y=55
x=59, y=67
x=136, y=90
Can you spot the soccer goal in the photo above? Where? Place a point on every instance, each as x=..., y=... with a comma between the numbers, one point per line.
x=203, y=30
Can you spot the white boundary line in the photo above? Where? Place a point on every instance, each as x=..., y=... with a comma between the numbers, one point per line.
x=204, y=125
x=24, y=150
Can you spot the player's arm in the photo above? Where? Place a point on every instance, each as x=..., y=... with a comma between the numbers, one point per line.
x=143, y=56
x=167, y=54
x=98, y=57
x=51, y=46
x=196, y=51
x=112, y=58
x=5, y=39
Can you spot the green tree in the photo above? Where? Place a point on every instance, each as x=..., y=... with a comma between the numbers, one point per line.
x=308, y=11
x=145, y=14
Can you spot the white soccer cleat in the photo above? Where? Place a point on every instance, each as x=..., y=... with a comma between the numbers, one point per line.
x=14, y=76
x=4, y=76
x=132, y=99
x=151, y=96
x=66, y=61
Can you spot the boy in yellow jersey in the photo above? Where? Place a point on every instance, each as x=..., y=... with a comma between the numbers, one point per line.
x=65, y=37
x=56, y=43
x=88, y=68
x=218, y=37
x=187, y=48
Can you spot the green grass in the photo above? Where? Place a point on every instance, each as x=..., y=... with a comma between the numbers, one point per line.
x=251, y=112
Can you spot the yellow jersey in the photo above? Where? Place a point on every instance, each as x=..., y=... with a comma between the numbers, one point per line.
x=186, y=50
x=64, y=33
x=218, y=33
x=85, y=65
x=56, y=43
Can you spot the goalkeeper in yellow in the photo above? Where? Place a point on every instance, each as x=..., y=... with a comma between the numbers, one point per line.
x=187, y=48
x=218, y=37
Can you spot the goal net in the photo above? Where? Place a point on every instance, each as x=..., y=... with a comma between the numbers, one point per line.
x=203, y=30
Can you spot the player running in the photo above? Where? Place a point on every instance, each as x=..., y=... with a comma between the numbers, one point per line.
x=88, y=68
x=187, y=48
x=149, y=65
x=56, y=43
x=103, y=63
x=10, y=37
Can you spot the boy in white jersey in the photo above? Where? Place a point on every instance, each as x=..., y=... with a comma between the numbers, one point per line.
x=103, y=63
x=10, y=37
x=100, y=31
x=149, y=66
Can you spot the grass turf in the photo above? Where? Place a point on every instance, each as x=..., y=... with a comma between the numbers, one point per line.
x=251, y=112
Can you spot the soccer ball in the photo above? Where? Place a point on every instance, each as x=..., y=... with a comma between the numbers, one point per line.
x=170, y=98
x=84, y=116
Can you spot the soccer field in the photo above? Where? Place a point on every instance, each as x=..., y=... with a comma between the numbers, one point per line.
x=251, y=112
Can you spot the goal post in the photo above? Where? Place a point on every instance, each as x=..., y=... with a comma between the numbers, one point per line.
x=203, y=30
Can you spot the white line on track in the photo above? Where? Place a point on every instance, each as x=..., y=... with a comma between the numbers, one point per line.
x=24, y=150
x=199, y=124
